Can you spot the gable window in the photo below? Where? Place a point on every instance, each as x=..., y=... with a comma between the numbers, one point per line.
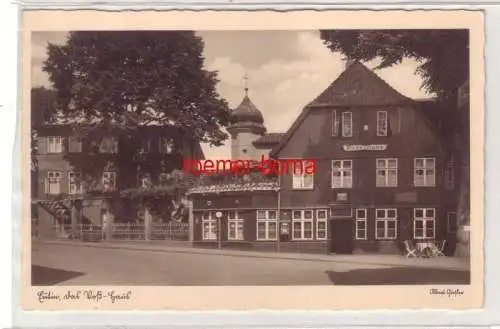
x=335, y=121
x=302, y=224
x=449, y=175
x=452, y=222
x=382, y=123
x=423, y=223
x=387, y=173
x=209, y=226
x=424, y=172
x=346, y=124
x=75, y=183
x=266, y=225
x=54, y=144
x=109, y=145
x=321, y=224
x=165, y=145
x=385, y=224
x=235, y=226
x=342, y=174
x=301, y=179
x=109, y=180
x=53, y=182
x=361, y=229
x=74, y=144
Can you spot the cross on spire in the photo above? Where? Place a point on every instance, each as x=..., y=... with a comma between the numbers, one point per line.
x=245, y=77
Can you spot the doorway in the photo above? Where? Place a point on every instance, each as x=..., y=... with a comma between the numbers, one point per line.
x=341, y=235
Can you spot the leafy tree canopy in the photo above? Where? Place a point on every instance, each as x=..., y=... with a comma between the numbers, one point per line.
x=443, y=55
x=135, y=78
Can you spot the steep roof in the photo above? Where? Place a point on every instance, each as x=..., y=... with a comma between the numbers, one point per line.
x=269, y=139
x=247, y=111
x=356, y=86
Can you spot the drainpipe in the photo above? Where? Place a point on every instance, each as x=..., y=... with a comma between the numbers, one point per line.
x=278, y=214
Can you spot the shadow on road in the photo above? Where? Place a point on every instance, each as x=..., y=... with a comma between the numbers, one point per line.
x=399, y=276
x=45, y=276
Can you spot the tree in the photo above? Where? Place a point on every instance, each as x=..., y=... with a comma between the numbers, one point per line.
x=123, y=82
x=443, y=64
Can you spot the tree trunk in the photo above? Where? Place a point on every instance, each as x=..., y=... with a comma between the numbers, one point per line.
x=463, y=205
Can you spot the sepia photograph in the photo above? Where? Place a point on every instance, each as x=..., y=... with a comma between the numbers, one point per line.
x=258, y=157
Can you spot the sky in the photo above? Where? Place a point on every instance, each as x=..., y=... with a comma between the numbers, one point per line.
x=286, y=70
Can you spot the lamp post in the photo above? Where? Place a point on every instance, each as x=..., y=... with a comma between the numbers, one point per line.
x=218, y=215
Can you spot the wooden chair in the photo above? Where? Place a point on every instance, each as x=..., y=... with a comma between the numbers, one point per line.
x=439, y=250
x=410, y=249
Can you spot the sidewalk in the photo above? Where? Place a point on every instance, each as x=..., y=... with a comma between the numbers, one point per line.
x=451, y=263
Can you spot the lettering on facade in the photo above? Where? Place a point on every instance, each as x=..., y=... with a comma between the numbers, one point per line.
x=371, y=147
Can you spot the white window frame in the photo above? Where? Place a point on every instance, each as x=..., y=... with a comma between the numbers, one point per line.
x=109, y=145
x=386, y=219
x=383, y=166
x=210, y=219
x=345, y=181
x=302, y=180
x=321, y=219
x=303, y=221
x=448, y=218
x=55, y=144
x=347, y=124
x=75, y=187
x=361, y=219
x=239, y=229
x=74, y=144
x=425, y=219
x=382, y=123
x=335, y=122
x=165, y=145
x=53, y=182
x=424, y=180
x=109, y=175
x=267, y=221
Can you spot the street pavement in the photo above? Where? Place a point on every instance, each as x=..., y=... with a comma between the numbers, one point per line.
x=77, y=264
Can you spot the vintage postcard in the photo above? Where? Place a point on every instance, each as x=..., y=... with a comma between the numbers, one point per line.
x=212, y=160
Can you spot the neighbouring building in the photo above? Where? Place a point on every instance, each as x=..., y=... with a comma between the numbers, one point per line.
x=385, y=173
x=77, y=179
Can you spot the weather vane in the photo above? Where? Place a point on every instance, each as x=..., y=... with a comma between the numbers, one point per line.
x=245, y=77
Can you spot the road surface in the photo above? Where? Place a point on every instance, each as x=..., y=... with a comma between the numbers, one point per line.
x=80, y=265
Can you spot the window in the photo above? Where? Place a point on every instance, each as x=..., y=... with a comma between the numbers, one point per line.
x=235, y=226
x=449, y=175
x=266, y=225
x=145, y=146
x=342, y=174
x=109, y=145
x=425, y=173
x=75, y=184
x=346, y=124
x=452, y=222
x=361, y=229
x=302, y=224
x=54, y=144
x=335, y=123
x=74, y=145
x=385, y=224
x=321, y=224
x=301, y=179
x=423, y=223
x=53, y=182
x=109, y=180
x=165, y=146
x=209, y=226
x=382, y=123
x=387, y=173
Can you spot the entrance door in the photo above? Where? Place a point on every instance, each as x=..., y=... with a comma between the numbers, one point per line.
x=341, y=233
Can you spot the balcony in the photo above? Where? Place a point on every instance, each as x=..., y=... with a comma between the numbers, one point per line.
x=229, y=182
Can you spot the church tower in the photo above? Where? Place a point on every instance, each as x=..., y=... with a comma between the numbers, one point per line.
x=246, y=126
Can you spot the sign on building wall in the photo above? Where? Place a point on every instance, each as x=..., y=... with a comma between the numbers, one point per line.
x=371, y=147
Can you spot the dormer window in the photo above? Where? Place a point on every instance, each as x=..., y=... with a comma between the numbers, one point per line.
x=382, y=123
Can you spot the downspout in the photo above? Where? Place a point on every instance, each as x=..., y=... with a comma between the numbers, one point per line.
x=278, y=214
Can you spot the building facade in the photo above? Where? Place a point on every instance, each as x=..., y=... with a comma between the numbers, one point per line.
x=384, y=174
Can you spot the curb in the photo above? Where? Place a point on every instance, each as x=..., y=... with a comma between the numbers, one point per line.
x=282, y=256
